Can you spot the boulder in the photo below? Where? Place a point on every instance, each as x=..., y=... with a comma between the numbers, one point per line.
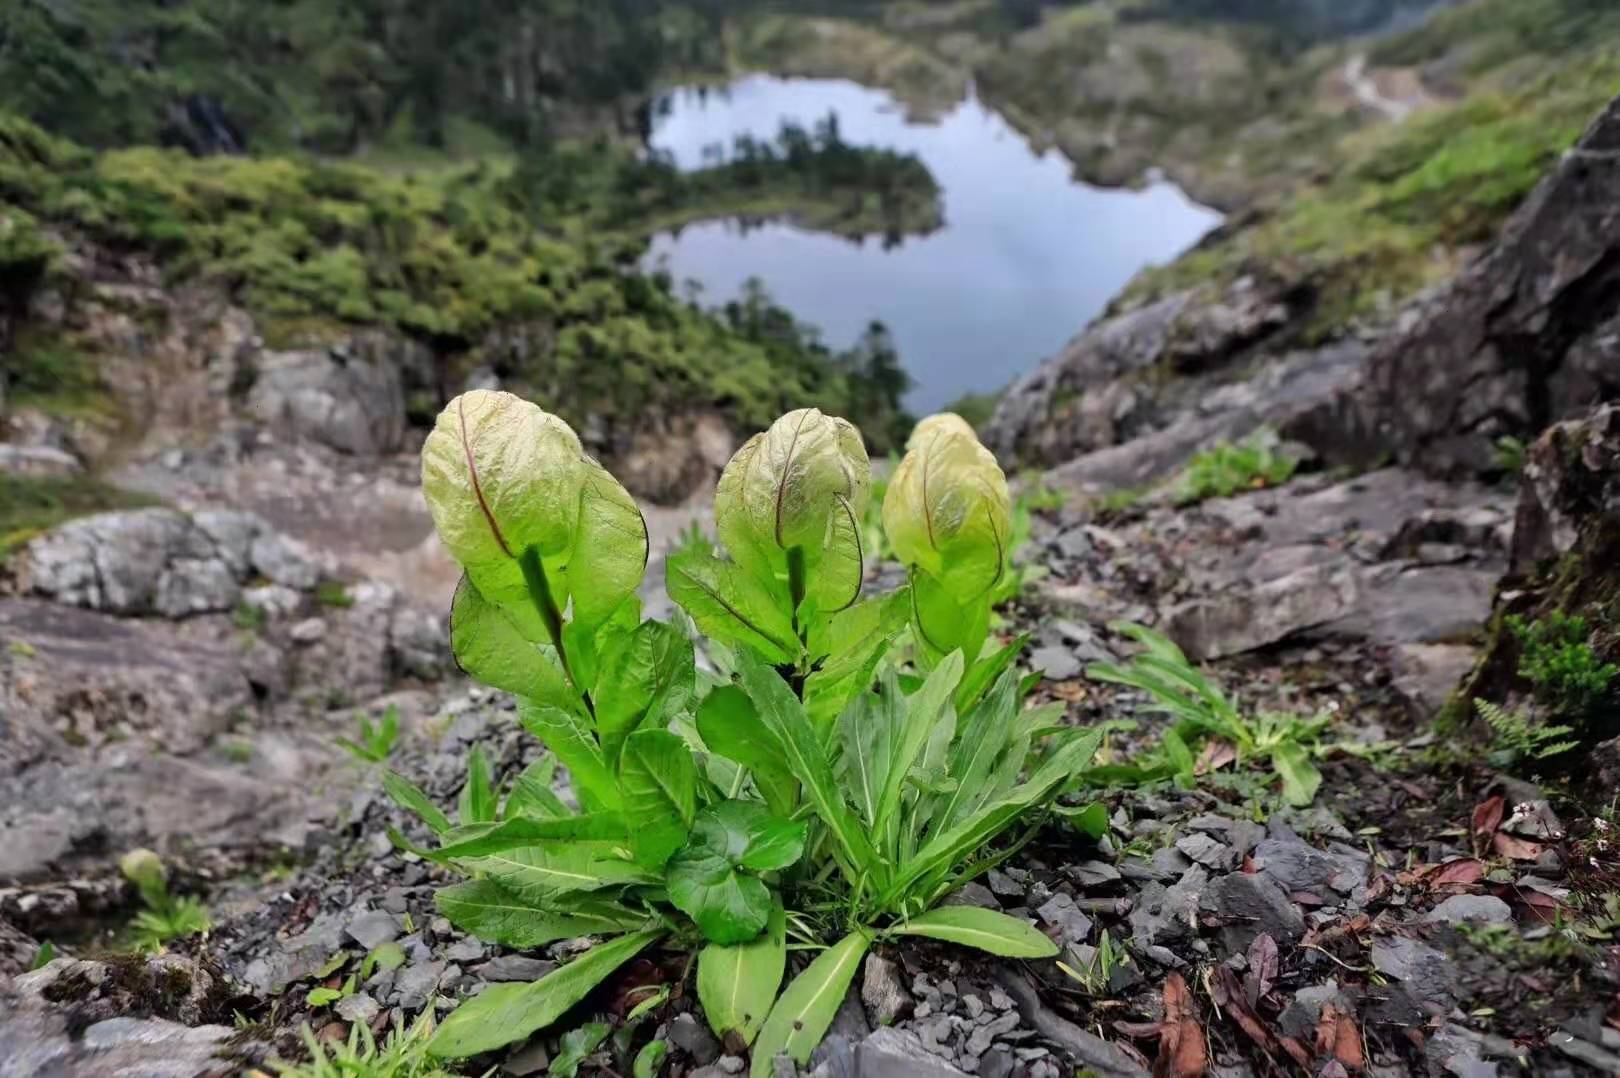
x=1527, y=335
x=342, y=397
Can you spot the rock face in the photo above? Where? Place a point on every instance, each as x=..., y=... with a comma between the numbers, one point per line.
x=148, y=561
x=1566, y=559
x=1526, y=336
x=340, y=397
x=1098, y=391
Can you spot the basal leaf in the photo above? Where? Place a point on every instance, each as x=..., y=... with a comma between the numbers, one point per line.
x=520, y=831
x=565, y=735
x=478, y=803
x=492, y=913
x=949, y=849
x=986, y=930
x=410, y=798
x=802, y=1016
x=1300, y=778
x=738, y=982
x=658, y=782
x=646, y=679
x=924, y=711
x=984, y=673
x=851, y=644
x=538, y=873
x=730, y=605
x=730, y=726
x=728, y=905
x=784, y=717
x=504, y=1014
x=531, y=793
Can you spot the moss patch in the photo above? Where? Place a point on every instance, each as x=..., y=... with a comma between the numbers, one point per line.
x=29, y=506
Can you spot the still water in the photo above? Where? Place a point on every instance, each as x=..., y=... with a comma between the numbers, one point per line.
x=1026, y=258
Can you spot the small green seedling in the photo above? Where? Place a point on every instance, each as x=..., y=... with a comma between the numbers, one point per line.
x=1225, y=468
x=377, y=739
x=1182, y=691
x=404, y=1054
x=166, y=917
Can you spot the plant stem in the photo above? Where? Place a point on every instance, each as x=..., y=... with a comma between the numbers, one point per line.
x=795, y=565
x=534, y=576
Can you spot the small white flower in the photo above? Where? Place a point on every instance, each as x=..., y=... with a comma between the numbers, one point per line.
x=1600, y=824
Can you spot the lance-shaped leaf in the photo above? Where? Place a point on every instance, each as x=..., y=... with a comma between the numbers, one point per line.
x=801, y=1017
x=492, y=913
x=947, y=510
x=738, y=982
x=802, y=484
x=501, y=476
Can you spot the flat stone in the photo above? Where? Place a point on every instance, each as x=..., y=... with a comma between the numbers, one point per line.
x=1426, y=973
x=308, y=631
x=1058, y=663
x=893, y=1053
x=416, y=984
x=1297, y=866
x=359, y=1007
x=1251, y=906
x=1476, y=908
x=514, y=967
x=1062, y=914
x=883, y=991
x=693, y=1037
x=1208, y=852
x=373, y=928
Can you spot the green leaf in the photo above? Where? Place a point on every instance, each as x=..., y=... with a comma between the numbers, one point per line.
x=410, y=798
x=949, y=849
x=942, y=622
x=520, y=831
x=730, y=726
x=1300, y=778
x=576, y=1046
x=704, y=880
x=658, y=783
x=850, y=645
x=650, y=1060
x=645, y=680
x=539, y=873
x=802, y=1016
x=987, y=930
x=504, y=1014
x=532, y=794
x=983, y=674
x=385, y=956
x=501, y=477
x=478, y=803
x=730, y=605
x=610, y=547
x=568, y=739
x=737, y=982
x=1091, y=821
x=784, y=717
x=487, y=910
x=924, y=711
x=489, y=646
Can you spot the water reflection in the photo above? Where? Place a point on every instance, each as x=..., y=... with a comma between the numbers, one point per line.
x=1027, y=255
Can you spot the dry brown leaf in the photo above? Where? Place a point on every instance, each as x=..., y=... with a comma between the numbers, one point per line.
x=1337, y=1036
x=1517, y=849
x=1488, y=817
x=1463, y=872
x=1181, y=1038
x=1262, y=969
x=1216, y=755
